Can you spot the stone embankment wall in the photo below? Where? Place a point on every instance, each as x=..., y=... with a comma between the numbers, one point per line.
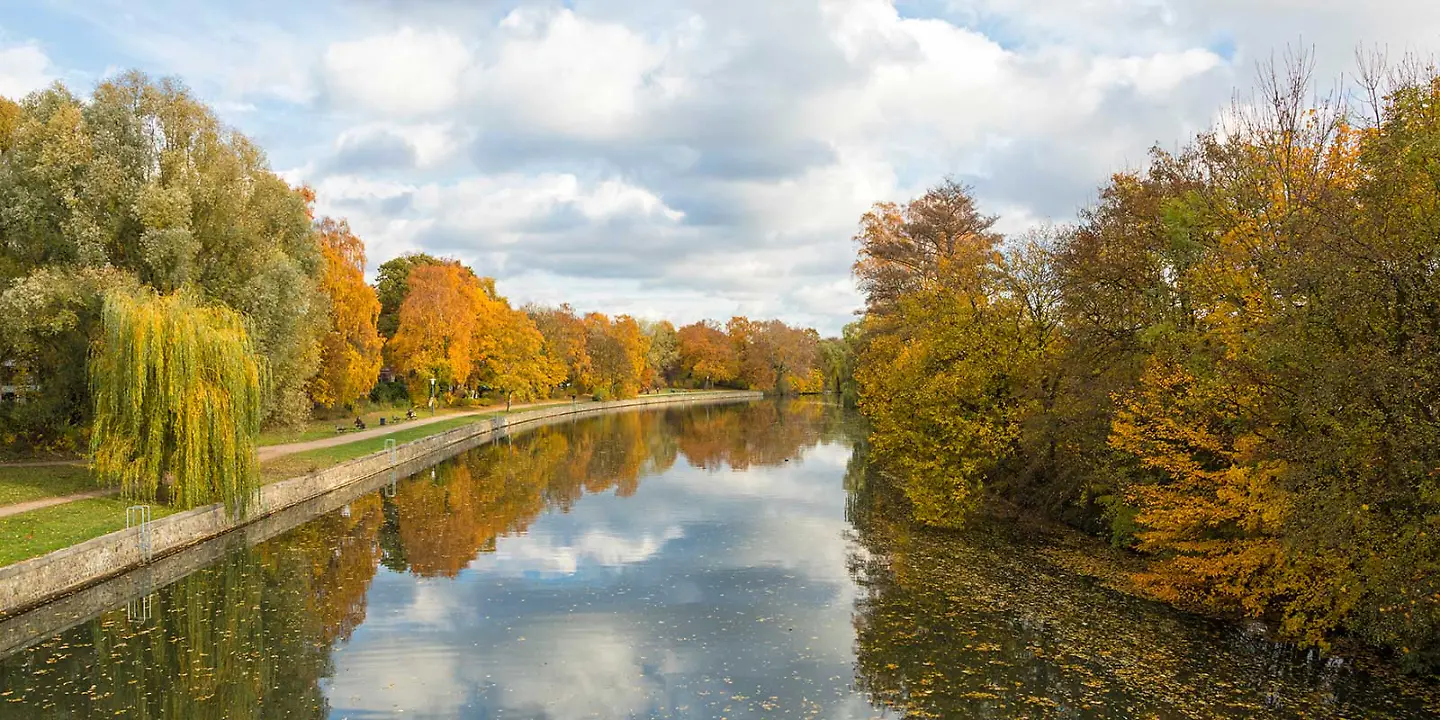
x=29, y=583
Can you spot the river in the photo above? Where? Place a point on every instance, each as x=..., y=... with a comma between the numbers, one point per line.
x=733, y=561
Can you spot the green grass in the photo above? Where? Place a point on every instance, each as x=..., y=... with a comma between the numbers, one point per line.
x=41, y=531
x=290, y=466
x=37, y=532
x=321, y=429
x=22, y=484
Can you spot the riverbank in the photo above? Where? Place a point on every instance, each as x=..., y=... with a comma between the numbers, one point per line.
x=31, y=582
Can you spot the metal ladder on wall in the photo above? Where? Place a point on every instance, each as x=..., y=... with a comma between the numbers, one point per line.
x=138, y=516
x=138, y=609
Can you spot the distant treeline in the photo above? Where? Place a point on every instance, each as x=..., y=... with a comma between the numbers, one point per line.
x=139, y=191
x=1230, y=363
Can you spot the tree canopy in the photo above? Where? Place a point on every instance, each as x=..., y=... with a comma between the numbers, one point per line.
x=1228, y=364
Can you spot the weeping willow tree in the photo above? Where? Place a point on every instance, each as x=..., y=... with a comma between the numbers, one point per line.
x=176, y=385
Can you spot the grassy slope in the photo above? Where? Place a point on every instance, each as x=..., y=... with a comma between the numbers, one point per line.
x=22, y=484
x=40, y=531
x=311, y=460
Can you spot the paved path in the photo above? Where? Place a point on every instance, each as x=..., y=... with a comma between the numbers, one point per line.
x=17, y=508
x=267, y=452
x=270, y=452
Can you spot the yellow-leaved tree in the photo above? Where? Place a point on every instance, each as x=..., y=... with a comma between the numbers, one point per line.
x=437, y=327
x=511, y=355
x=350, y=349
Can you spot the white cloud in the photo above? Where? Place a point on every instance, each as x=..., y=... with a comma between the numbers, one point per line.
x=23, y=69
x=691, y=155
x=546, y=554
x=554, y=70
x=405, y=73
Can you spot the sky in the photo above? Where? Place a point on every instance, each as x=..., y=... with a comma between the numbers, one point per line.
x=685, y=159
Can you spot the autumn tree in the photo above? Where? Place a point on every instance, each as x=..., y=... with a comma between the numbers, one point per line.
x=902, y=249
x=511, y=355
x=566, y=340
x=706, y=354
x=392, y=285
x=438, y=322
x=350, y=350
x=618, y=351
x=1228, y=364
x=663, y=359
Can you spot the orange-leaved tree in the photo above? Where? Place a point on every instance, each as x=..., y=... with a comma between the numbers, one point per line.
x=438, y=320
x=706, y=355
x=350, y=349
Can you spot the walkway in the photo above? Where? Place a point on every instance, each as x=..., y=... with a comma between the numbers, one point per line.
x=27, y=506
x=270, y=452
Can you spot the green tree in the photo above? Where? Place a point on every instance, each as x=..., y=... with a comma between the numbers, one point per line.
x=143, y=179
x=177, y=400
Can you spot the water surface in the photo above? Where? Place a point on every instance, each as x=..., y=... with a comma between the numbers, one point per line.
x=703, y=562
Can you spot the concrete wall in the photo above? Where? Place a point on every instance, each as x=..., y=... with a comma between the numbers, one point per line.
x=29, y=583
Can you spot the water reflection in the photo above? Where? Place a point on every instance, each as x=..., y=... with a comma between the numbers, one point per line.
x=980, y=624
x=701, y=562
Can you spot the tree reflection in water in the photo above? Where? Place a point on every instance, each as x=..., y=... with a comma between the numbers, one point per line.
x=251, y=636
x=975, y=624
x=979, y=624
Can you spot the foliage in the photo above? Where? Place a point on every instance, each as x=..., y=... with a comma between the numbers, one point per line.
x=663, y=359
x=142, y=181
x=619, y=354
x=706, y=354
x=566, y=341
x=513, y=358
x=837, y=364
x=439, y=321
x=350, y=350
x=176, y=385
x=392, y=285
x=1229, y=364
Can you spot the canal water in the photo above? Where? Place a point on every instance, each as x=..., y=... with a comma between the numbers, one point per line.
x=730, y=561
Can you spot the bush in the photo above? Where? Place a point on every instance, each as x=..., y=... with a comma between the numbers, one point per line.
x=392, y=393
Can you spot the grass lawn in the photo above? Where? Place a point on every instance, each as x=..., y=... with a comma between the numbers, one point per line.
x=22, y=484
x=40, y=531
x=321, y=429
x=290, y=466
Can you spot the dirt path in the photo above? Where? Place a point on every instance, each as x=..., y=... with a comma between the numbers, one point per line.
x=27, y=506
x=41, y=463
x=270, y=452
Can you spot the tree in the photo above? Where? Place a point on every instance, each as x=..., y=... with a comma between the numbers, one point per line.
x=903, y=249
x=513, y=358
x=618, y=352
x=350, y=351
x=176, y=385
x=143, y=179
x=837, y=363
x=566, y=340
x=392, y=285
x=438, y=323
x=706, y=354
x=663, y=361
x=1229, y=364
